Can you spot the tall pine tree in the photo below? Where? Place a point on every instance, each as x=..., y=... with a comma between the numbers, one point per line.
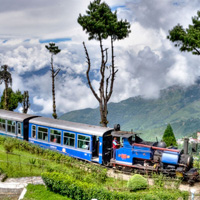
x=53, y=50
x=101, y=23
x=169, y=137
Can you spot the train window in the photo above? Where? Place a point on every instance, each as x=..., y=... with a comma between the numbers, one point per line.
x=131, y=139
x=19, y=131
x=55, y=136
x=33, y=131
x=11, y=126
x=2, y=124
x=84, y=142
x=42, y=133
x=69, y=139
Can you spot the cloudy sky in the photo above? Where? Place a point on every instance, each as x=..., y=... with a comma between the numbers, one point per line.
x=146, y=60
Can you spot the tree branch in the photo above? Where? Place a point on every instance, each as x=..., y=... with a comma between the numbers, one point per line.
x=197, y=50
x=102, y=70
x=113, y=73
x=56, y=72
x=106, y=60
x=107, y=83
x=88, y=71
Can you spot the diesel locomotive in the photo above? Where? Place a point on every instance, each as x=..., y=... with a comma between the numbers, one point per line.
x=94, y=144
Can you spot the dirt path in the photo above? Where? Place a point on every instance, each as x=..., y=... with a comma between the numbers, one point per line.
x=15, y=188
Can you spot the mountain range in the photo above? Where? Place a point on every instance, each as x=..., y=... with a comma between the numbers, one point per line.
x=179, y=106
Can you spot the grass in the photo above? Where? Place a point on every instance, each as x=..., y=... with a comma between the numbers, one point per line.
x=40, y=192
x=19, y=164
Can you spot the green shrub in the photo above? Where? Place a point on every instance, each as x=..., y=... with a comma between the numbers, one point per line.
x=9, y=145
x=2, y=139
x=137, y=182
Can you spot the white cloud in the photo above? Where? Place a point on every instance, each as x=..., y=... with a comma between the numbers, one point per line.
x=146, y=60
x=180, y=73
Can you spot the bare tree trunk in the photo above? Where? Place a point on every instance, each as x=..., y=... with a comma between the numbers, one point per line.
x=103, y=101
x=25, y=102
x=105, y=86
x=53, y=89
x=103, y=114
x=6, y=95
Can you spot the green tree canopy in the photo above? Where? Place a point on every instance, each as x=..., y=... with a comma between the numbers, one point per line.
x=6, y=77
x=168, y=136
x=100, y=22
x=53, y=49
x=187, y=39
x=13, y=99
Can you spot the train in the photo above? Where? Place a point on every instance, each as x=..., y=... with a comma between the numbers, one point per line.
x=94, y=144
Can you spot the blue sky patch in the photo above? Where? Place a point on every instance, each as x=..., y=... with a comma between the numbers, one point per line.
x=27, y=40
x=114, y=8
x=178, y=3
x=55, y=40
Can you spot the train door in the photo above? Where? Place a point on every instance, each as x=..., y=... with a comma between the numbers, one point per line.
x=107, y=148
x=95, y=148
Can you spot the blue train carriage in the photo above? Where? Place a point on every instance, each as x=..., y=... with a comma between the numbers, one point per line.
x=74, y=139
x=14, y=124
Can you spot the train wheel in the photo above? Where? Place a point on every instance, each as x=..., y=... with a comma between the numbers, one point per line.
x=191, y=182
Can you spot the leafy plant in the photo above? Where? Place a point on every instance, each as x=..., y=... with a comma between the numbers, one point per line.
x=9, y=145
x=32, y=162
x=159, y=180
x=41, y=163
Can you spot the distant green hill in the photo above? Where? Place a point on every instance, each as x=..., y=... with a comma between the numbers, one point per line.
x=178, y=106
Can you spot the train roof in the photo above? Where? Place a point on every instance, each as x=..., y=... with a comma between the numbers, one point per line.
x=10, y=115
x=124, y=134
x=70, y=126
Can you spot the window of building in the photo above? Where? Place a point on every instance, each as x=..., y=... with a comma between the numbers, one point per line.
x=33, y=131
x=42, y=133
x=11, y=126
x=2, y=124
x=84, y=142
x=69, y=139
x=19, y=130
x=55, y=136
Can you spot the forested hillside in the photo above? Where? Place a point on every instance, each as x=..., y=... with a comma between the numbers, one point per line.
x=176, y=105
